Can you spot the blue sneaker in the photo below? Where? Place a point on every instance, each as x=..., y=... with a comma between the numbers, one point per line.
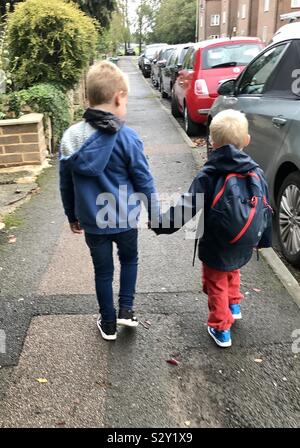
x=236, y=311
x=221, y=338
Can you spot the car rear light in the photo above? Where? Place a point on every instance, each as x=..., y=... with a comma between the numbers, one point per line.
x=201, y=87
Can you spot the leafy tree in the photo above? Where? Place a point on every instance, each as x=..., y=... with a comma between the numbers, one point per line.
x=101, y=10
x=175, y=22
x=144, y=21
x=50, y=41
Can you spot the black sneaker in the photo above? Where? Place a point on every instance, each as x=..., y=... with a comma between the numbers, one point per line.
x=127, y=318
x=108, y=330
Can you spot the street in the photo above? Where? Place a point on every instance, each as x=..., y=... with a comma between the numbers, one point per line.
x=57, y=370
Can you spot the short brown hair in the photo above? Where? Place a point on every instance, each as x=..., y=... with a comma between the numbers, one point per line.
x=104, y=80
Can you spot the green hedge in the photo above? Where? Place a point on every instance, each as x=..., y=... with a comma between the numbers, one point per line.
x=50, y=41
x=44, y=98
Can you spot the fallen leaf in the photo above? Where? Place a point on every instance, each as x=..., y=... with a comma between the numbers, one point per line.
x=256, y=289
x=60, y=423
x=12, y=239
x=173, y=361
x=42, y=380
x=284, y=379
x=258, y=360
x=247, y=293
x=187, y=423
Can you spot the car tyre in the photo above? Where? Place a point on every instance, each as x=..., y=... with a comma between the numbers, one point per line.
x=174, y=107
x=288, y=218
x=191, y=128
x=162, y=91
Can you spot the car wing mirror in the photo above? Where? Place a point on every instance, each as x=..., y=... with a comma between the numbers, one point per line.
x=227, y=88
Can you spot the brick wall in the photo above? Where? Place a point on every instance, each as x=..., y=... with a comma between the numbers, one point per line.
x=22, y=141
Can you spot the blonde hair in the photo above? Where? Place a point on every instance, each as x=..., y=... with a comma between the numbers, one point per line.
x=104, y=80
x=229, y=127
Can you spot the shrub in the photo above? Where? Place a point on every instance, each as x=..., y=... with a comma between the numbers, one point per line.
x=43, y=98
x=50, y=41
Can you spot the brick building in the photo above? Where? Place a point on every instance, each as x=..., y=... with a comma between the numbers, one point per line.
x=220, y=18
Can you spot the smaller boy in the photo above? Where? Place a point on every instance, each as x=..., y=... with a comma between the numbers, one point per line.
x=102, y=168
x=237, y=219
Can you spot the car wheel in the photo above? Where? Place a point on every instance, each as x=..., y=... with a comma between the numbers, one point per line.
x=288, y=218
x=191, y=128
x=162, y=90
x=174, y=107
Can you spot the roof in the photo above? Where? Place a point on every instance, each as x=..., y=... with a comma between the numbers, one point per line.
x=288, y=31
x=225, y=40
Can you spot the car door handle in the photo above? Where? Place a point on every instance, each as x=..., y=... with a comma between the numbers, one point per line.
x=279, y=121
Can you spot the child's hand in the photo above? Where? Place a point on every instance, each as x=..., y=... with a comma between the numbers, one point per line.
x=75, y=227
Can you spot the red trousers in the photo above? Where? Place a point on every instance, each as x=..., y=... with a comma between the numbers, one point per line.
x=223, y=289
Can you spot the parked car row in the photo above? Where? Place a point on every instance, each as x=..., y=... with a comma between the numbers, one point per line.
x=205, y=78
x=268, y=92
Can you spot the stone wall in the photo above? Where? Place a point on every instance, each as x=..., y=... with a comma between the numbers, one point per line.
x=22, y=141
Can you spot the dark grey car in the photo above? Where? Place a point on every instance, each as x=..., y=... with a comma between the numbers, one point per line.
x=268, y=92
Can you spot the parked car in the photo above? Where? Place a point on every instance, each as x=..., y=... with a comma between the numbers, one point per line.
x=148, y=57
x=288, y=31
x=130, y=52
x=140, y=60
x=268, y=92
x=159, y=62
x=205, y=66
x=169, y=71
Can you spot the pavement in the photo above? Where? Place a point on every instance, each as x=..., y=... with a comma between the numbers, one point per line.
x=57, y=371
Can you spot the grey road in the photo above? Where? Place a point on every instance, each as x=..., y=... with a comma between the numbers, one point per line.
x=58, y=372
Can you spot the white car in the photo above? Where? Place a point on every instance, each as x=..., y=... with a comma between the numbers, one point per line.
x=289, y=31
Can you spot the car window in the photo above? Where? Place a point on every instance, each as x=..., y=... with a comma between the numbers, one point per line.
x=256, y=75
x=188, y=61
x=230, y=54
x=284, y=80
x=172, y=57
x=182, y=55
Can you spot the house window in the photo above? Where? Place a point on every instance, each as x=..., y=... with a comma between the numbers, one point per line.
x=295, y=4
x=265, y=34
x=224, y=17
x=215, y=20
x=244, y=11
x=266, y=5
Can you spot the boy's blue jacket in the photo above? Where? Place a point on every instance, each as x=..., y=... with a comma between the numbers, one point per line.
x=220, y=163
x=101, y=165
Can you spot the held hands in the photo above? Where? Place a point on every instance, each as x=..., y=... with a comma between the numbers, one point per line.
x=75, y=227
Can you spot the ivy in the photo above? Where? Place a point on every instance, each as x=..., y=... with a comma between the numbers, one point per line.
x=48, y=99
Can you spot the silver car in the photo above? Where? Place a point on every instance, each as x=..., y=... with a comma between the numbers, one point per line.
x=268, y=92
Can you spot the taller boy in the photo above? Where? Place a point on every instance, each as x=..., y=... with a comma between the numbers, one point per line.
x=102, y=164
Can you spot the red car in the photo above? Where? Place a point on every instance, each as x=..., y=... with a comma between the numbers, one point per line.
x=206, y=65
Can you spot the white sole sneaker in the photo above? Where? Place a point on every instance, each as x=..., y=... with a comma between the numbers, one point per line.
x=127, y=322
x=107, y=337
x=219, y=343
x=237, y=316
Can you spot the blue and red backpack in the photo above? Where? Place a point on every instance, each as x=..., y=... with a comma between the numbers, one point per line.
x=239, y=213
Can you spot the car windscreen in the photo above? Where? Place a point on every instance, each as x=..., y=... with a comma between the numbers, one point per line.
x=229, y=55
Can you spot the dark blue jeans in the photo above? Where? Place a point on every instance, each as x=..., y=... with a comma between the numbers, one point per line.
x=101, y=248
